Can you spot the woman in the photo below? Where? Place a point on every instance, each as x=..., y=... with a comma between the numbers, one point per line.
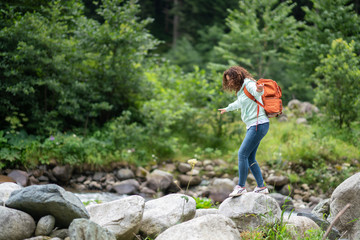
x=235, y=79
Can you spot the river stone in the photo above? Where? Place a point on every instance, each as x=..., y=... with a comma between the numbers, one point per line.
x=186, y=180
x=60, y=233
x=6, y=189
x=20, y=177
x=50, y=199
x=62, y=173
x=159, y=180
x=322, y=209
x=124, y=174
x=164, y=212
x=285, y=202
x=220, y=188
x=277, y=180
x=15, y=224
x=84, y=229
x=204, y=211
x=122, y=216
x=42, y=238
x=347, y=192
x=209, y=227
x=45, y=225
x=298, y=225
x=128, y=187
x=251, y=210
x=184, y=167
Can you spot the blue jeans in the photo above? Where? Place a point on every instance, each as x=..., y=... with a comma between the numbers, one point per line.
x=247, y=153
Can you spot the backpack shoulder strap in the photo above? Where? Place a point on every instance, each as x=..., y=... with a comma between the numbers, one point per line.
x=248, y=94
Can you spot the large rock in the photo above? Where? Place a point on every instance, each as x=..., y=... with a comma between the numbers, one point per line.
x=84, y=229
x=220, y=188
x=62, y=173
x=122, y=216
x=45, y=226
x=298, y=225
x=15, y=224
x=322, y=209
x=186, y=180
x=21, y=177
x=50, y=199
x=124, y=174
x=164, y=212
x=277, y=180
x=347, y=192
x=251, y=210
x=159, y=180
x=128, y=187
x=285, y=202
x=206, y=211
x=209, y=227
x=6, y=189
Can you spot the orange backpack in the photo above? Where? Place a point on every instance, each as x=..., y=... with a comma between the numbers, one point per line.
x=271, y=98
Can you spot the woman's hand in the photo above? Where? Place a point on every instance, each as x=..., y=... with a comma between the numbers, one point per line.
x=259, y=87
x=222, y=110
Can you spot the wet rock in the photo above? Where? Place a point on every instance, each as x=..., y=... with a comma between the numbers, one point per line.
x=84, y=229
x=15, y=224
x=42, y=200
x=60, y=233
x=164, y=212
x=20, y=177
x=210, y=227
x=45, y=225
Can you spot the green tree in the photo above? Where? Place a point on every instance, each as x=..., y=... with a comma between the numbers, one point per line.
x=261, y=35
x=326, y=21
x=338, y=81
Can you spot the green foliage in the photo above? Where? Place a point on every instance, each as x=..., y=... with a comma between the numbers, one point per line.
x=326, y=21
x=65, y=71
x=260, y=32
x=203, y=203
x=338, y=81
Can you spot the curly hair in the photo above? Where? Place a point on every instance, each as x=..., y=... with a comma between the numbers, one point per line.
x=237, y=75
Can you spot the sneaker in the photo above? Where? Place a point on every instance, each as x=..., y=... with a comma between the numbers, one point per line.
x=263, y=190
x=238, y=191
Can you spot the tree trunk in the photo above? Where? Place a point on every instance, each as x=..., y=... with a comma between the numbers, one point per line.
x=176, y=22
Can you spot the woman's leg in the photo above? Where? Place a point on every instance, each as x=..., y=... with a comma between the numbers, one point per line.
x=249, y=147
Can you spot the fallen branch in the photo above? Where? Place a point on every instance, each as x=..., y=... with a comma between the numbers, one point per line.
x=335, y=220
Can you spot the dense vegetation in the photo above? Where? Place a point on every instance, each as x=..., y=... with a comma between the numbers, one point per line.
x=85, y=82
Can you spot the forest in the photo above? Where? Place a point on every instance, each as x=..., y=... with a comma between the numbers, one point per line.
x=105, y=81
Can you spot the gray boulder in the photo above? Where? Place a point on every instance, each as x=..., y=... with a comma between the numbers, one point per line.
x=45, y=225
x=84, y=229
x=62, y=173
x=322, y=209
x=251, y=210
x=285, y=202
x=298, y=225
x=203, y=212
x=124, y=174
x=347, y=192
x=15, y=224
x=220, y=188
x=20, y=177
x=209, y=227
x=6, y=189
x=159, y=180
x=128, y=187
x=122, y=217
x=164, y=212
x=42, y=200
